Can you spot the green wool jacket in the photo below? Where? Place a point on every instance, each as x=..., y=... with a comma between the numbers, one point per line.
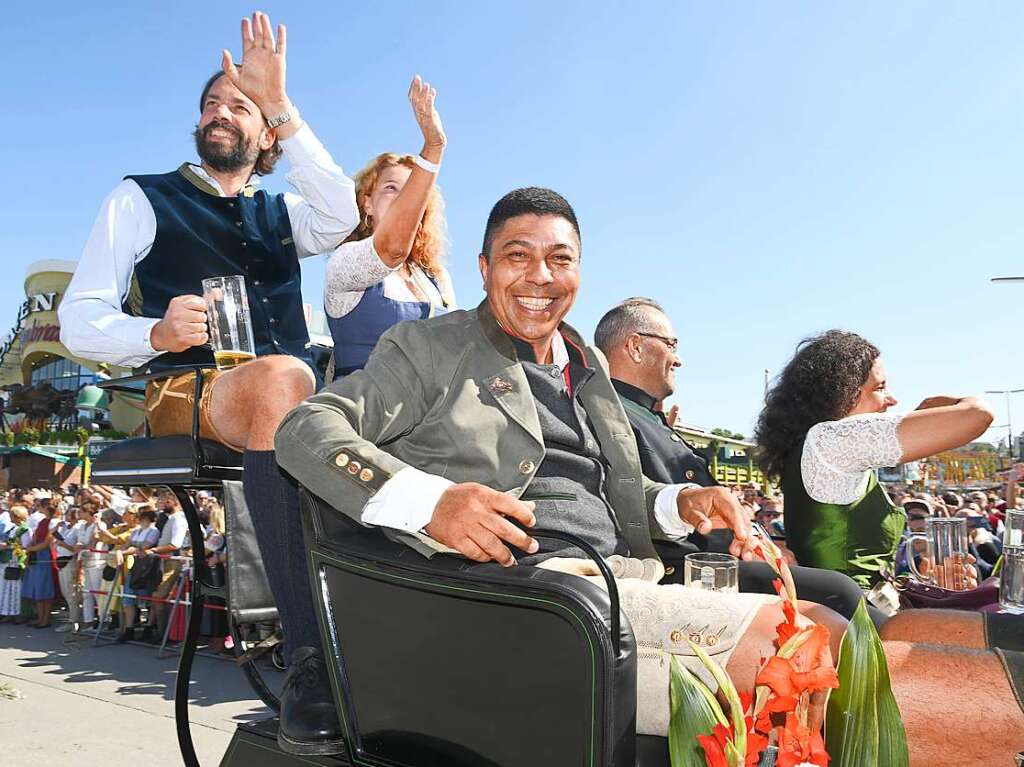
x=448, y=396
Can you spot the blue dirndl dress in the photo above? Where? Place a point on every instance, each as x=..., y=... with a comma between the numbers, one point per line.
x=37, y=584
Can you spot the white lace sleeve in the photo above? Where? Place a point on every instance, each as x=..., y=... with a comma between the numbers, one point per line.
x=838, y=455
x=351, y=269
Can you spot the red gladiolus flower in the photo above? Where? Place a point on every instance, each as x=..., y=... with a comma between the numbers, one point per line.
x=785, y=681
x=775, y=705
x=798, y=745
x=714, y=746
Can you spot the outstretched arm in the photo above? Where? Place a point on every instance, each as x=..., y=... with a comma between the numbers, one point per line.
x=395, y=233
x=324, y=212
x=942, y=423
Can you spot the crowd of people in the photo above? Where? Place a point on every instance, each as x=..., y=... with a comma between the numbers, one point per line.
x=443, y=427
x=108, y=558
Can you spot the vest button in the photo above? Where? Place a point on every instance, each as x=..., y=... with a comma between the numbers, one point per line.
x=690, y=474
x=238, y=223
x=255, y=282
x=245, y=244
x=525, y=467
x=265, y=300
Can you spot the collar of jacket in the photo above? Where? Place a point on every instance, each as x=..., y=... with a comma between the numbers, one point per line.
x=502, y=341
x=635, y=394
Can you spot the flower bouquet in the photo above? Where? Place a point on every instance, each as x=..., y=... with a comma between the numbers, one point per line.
x=783, y=717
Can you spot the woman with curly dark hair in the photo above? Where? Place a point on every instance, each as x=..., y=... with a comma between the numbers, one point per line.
x=823, y=431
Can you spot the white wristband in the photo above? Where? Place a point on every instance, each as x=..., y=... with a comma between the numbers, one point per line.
x=427, y=165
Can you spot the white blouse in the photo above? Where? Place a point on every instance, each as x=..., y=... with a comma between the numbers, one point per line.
x=838, y=456
x=355, y=266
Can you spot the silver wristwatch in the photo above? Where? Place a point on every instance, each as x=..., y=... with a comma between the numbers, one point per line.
x=281, y=119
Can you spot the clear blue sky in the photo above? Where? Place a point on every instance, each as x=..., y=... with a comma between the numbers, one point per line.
x=765, y=170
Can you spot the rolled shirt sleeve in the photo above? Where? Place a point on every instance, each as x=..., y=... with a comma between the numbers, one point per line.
x=92, y=323
x=324, y=212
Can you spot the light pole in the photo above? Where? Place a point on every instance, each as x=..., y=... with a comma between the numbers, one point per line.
x=1009, y=420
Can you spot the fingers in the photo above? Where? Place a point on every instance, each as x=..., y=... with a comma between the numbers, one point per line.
x=492, y=546
x=248, y=41
x=470, y=550
x=521, y=511
x=508, y=532
x=282, y=39
x=228, y=65
x=193, y=303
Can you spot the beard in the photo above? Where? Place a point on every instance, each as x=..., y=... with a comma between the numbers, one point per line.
x=236, y=155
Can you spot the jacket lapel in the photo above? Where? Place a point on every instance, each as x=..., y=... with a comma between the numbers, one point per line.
x=504, y=378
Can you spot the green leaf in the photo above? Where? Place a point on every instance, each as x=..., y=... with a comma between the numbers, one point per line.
x=863, y=723
x=694, y=712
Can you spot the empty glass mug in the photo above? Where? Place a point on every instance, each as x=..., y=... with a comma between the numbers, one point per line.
x=943, y=550
x=227, y=312
x=1011, y=576
x=712, y=572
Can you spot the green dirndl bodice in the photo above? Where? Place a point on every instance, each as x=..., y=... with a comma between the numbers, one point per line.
x=858, y=539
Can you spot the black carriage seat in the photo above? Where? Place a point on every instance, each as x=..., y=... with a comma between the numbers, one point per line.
x=448, y=662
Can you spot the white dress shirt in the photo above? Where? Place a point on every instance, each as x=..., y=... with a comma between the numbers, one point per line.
x=407, y=500
x=92, y=324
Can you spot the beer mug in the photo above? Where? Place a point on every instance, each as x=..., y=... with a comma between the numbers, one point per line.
x=227, y=312
x=943, y=550
x=1011, y=576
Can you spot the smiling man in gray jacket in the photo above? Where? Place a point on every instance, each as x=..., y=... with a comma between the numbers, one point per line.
x=461, y=424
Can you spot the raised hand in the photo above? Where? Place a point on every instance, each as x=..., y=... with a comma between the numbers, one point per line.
x=471, y=519
x=421, y=97
x=261, y=75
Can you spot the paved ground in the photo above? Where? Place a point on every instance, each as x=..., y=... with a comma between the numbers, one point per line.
x=111, y=706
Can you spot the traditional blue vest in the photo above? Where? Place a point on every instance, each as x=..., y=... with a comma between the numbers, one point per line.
x=200, y=234
x=357, y=332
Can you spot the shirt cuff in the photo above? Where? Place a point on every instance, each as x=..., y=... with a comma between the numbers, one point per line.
x=149, y=344
x=406, y=501
x=304, y=147
x=666, y=511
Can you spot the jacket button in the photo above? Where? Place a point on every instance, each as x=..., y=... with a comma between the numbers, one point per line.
x=525, y=467
x=690, y=474
x=354, y=467
x=341, y=460
x=366, y=475
x=676, y=636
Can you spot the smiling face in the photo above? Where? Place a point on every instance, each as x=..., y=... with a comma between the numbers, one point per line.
x=231, y=133
x=874, y=396
x=531, y=277
x=655, y=352
x=389, y=185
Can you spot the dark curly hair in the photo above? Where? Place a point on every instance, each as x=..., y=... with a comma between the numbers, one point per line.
x=821, y=383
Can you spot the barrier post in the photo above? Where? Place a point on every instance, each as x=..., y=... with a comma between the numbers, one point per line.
x=108, y=598
x=179, y=588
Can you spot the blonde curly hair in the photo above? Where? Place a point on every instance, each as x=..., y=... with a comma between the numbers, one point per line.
x=429, y=249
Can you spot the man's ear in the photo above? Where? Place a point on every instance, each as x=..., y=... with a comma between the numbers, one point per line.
x=484, y=265
x=633, y=350
x=267, y=138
